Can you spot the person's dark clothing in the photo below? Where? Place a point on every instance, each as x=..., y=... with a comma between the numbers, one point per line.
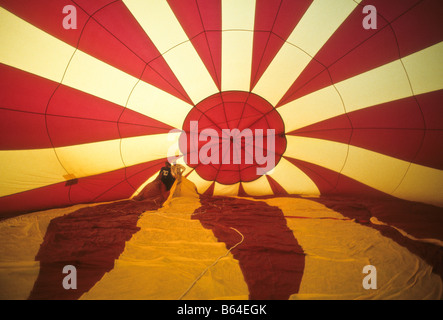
x=166, y=177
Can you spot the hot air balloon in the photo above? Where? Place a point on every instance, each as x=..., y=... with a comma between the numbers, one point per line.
x=310, y=134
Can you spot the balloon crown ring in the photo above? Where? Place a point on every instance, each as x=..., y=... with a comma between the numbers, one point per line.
x=233, y=136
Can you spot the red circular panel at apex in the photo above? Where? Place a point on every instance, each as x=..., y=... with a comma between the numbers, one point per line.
x=233, y=136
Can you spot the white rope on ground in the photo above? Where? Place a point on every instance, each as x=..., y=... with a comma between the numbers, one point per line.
x=213, y=264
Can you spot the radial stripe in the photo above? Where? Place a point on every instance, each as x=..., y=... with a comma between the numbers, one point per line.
x=422, y=184
x=301, y=46
x=23, y=124
x=353, y=50
x=95, y=77
x=32, y=50
x=292, y=179
x=426, y=186
x=274, y=22
x=315, y=107
x=394, y=128
x=25, y=47
x=90, y=75
x=23, y=170
x=157, y=104
x=257, y=187
x=361, y=164
x=111, y=34
x=425, y=69
x=330, y=182
x=107, y=186
x=424, y=73
x=320, y=152
x=165, y=31
x=91, y=158
x=237, y=42
x=145, y=148
x=201, y=20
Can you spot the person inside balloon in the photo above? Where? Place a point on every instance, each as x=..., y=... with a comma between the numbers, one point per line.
x=169, y=183
x=166, y=175
x=159, y=188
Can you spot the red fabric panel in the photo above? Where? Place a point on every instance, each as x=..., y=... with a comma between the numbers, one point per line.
x=48, y=15
x=111, y=35
x=353, y=50
x=70, y=102
x=108, y=186
x=71, y=131
x=132, y=123
x=419, y=27
x=88, y=189
x=22, y=130
x=339, y=135
x=325, y=180
x=74, y=117
x=430, y=105
x=241, y=191
x=417, y=219
x=201, y=21
x=277, y=189
x=266, y=13
x=431, y=153
x=65, y=131
x=24, y=91
x=118, y=184
x=133, y=130
x=210, y=171
x=261, y=40
x=122, y=190
x=98, y=42
x=89, y=239
x=331, y=182
x=270, y=257
x=398, y=143
x=399, y=114
x=313, y=78
x=210, y=190
x=246, y=171
x=92, y=7
x=56, y=195
x=351, y=34
x=274, y=22
x=396, y=128
x=71, y=126
x=289, y=15
x=118, y=20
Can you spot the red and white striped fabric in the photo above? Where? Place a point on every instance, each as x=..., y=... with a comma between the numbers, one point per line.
x=85, y=113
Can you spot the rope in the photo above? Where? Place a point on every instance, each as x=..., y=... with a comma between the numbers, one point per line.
x=213, y=264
